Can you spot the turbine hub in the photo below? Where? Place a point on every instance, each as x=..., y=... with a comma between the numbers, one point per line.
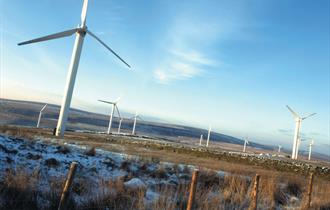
x=82, y=30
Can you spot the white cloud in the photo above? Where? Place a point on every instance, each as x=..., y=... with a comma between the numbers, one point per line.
x=186, y=57
x=194, y=37
x=193, y=56
x=182, y=65
x=161, y=76
x=185, y=70
x=176, y=71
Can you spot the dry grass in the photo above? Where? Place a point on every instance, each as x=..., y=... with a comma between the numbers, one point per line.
x=235, y=191
x=320, y=195
x=18, y=190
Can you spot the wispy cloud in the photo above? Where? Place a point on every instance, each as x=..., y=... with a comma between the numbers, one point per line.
x=187, y=53
x=182, y=65
x=194, y=57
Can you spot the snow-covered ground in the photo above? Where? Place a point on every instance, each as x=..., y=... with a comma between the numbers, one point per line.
x=51, y=158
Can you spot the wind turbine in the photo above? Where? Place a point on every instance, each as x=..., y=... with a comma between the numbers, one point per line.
x=114, y=107
x=298, y=145
x=298, y=121
x=80, y=32
x=41, y=112
x=119, y=126
x=245, y=142
x=135, y=119
x=200, y=140
x=208, y=136
x=279, y=148
x=310, y=149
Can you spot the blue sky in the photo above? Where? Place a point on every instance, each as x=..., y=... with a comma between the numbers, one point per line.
x=231, y=64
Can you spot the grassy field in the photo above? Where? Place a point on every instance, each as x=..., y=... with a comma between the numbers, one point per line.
x=280, y=187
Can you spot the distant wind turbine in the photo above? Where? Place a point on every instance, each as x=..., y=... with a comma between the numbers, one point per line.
x=279, y=148
x=135, y=119
x=80, y=32
x=245, y=143
x=40, y=113
x=310, y=149
x=298, y=145
x=119, y=126
x=298, y=120
x=208, y=136
x=114, y=107
x=201, y=140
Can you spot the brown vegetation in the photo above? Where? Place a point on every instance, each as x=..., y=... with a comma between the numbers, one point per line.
x=18, y=190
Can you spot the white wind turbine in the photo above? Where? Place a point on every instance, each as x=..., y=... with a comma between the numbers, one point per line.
x=208, y=136
x=298, y=145
x=80, y=32
x=298, y=121
x=200, y=140
x=245, y=143
x=310, y=149
x=119, y=126
x=114, y=107
x=279, y=148
x=135, y=119
x=40, y=113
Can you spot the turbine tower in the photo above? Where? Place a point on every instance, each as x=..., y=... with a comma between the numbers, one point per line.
x=200, y=140
x=114, y=107
x=279, y=148
x=208, y=136
x=298, y=145
x=298, y=121
x=41, y=112
x=119, y=126
x=80, y=32
x=310, y=149
x=135, y=119
x=245, y=143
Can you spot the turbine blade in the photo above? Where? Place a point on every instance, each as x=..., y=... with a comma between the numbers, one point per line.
x=308, y=116
x=84, y=13
x=52, y=36
x=107, y=102
x=118, y=112
x=43, y=108
x=291, y=110
x=140, y=118
x=106, y=46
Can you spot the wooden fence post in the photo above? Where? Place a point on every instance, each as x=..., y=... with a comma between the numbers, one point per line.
x=254, y=203
x=310, y=190
x=192, y=190
x=67, y=186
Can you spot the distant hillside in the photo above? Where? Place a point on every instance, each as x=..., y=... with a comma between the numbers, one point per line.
x=26, y=113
